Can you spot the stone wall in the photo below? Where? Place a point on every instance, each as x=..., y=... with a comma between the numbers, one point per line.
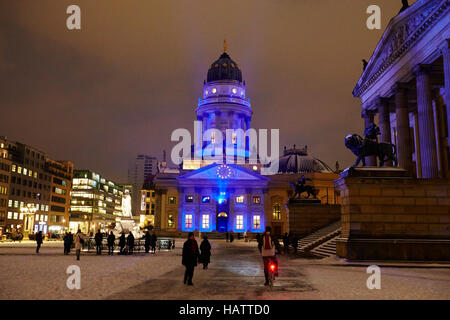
x=387, y=215
x=305, y=218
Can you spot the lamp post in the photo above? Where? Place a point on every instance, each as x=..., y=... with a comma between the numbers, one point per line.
x=29, y=210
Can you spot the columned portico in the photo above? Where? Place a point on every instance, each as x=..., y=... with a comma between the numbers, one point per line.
x=409, y=64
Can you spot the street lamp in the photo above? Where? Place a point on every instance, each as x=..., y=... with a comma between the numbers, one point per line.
x=29, y=210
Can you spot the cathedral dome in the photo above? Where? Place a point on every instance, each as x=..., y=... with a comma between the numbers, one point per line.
x=224, y=69
x=298, y=161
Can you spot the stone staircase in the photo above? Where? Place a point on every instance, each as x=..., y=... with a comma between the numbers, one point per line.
x=326, y=249
x=322, y=242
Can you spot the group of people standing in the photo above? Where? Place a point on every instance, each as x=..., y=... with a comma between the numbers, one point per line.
x=290, y=239
x=192, y=255
x=126, y=244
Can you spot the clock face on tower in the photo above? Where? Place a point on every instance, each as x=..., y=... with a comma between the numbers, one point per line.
x=223, y=171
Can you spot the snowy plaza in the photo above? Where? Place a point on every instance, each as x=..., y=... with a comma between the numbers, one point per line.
x=235, y=272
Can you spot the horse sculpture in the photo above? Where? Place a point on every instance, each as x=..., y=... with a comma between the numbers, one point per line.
x=366, y=147
x=299, y=188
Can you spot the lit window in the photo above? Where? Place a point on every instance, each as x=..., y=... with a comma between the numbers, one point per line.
x=189, y=198
x=35, y=174
x=9, y=215
x=25, y=171
x=21, y=216
x=256, y=222
x=16, y=204
x=30, y=173
x=206, y=92
x=206, y=199
x=256, y=200
x=276, y=212
x=234, y=90
x=19, y=169
x=240, y=199
x=170, y=221
x=239, y=222
x=15, y=215
x=172, y=200
x=13, y=168
x=46, y=218
x=188, y=221
x=214, y=90
x=205, y=221
x=10, y=203
x=37, y=217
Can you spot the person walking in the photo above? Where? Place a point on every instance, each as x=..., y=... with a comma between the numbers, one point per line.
x=231, y=237
x=122, y=243
x=38, y=238
x=189, y=258
x=67, y=243
x=286, y=243
x=111, y=239
x=148, y=240
x=153, y=242
x=98, y=242
x=268, y=253
x=205, y=252
x=79, y=241
x=69, y=248
x=227, y=235
x=130, y=242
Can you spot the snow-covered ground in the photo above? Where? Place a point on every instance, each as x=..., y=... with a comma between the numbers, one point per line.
x=25, y=275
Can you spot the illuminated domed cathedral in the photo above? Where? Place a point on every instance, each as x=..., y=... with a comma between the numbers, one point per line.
x=216, y=196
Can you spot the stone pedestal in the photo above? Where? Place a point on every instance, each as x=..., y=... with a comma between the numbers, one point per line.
x=308, y=215
x=387, y=215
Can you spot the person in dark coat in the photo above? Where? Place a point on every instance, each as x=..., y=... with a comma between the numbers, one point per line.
x=148, y=241
x=153, y=242
x=67, y=243
x=111, y=239
x=190, y=256
x=231, y=237
x=98, y=241
x=70, y=242
x=122, y=243
x=227, y=235
x=39, y=237
x=130, y=242
x=286, y=243
x=205, y=252
x=259, y=239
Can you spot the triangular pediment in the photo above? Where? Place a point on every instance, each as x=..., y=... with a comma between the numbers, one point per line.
x=223, y=172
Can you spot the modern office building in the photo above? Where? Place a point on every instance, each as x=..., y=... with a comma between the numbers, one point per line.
x=30, y=189
x=5, y=176
x=61, y=173
x=139, y=169
x=95, y=202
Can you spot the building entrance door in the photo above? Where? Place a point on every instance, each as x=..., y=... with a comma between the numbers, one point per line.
x=222, y=215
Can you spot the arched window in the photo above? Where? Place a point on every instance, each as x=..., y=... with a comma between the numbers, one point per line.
x=276, y=211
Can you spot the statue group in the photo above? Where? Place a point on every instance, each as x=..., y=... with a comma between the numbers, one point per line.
x=300, y=187
x=369, y=146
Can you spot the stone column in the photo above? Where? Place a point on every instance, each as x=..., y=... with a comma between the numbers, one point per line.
x=404, y=149
x=384, y=123
x=427, y=136
x=445, y=49
x=368, y=119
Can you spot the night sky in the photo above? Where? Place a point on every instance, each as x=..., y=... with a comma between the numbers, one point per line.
x=119, y=86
